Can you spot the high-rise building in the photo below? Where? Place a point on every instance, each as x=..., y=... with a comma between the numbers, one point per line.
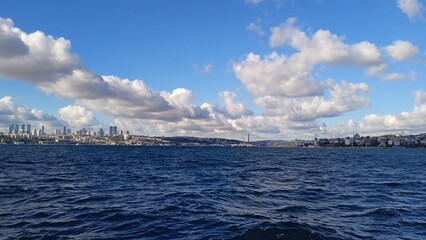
x=42, y=130
x=113, y=131
x=28, y=128
x=64, y=131
x=35, y=132
x=101, y=132
x=22, y=128
x=11, y=128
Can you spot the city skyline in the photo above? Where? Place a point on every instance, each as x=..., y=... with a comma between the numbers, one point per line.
x=274, y=69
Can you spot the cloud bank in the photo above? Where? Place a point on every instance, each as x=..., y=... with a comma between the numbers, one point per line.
x=291, y=100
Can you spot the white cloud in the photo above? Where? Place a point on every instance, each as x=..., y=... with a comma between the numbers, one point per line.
x=255, y=28
x=401, y=50
x=276, y=75
x=207, y=68
x=10, y=112
x=344, y=97
x=78, y=117
x=290, y=76
x=323, y=47
x=381, y=71
x=34, y=57
x=404, y=123
x=49, y=64
x=412, y=8
x=232, y=109
x=287, y=33
x=11, y=45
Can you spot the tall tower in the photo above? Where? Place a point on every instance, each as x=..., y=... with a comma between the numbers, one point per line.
x=11, y=128
x=65, y=130
x=29, y=128
x=42, y=130
x=101, y=132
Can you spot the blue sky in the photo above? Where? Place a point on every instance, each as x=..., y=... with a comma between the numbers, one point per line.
x=276, y=69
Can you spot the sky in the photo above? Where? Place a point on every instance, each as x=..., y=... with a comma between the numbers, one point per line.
x=274, y=69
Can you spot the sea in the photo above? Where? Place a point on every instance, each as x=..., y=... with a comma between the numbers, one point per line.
x=118, y=192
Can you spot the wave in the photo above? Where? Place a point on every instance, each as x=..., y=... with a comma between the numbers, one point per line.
x=285, y=230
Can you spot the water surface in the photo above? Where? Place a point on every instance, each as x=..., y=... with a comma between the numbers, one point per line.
x=103, y=192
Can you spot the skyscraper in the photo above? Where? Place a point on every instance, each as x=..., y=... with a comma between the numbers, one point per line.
x=11, y=128
x=112, y=131
x=22, y=128
x=42, y=130
x=101, y=132
x=65, y=130
x=28, y=128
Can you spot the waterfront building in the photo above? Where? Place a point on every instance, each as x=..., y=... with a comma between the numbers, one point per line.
x=101, y=132
x=11, y=128
x=29, y=129
x=112, y=131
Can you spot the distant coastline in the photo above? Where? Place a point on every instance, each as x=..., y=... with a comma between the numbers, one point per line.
x=386, y=141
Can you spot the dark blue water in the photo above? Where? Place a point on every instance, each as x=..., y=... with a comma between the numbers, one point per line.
x=90, y=192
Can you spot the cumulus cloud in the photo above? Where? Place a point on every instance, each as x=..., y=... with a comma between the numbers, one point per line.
x=78, y=117
x=401, y=50
x=49, y=64
x=323, y=46
x=412, y=8
x=404, y=123
x=10, y=112
x=34, y=57
x=232, y=109
x=11, y=45
x=381, y=71
x=344, y=97
x=291, y=76
x=276, y=75
x=255, y=28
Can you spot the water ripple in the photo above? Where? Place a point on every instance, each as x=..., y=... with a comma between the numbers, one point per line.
x=102, y=192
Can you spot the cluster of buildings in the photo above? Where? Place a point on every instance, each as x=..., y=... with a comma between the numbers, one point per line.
x=360, y=141
x=23, y=133
x=381, y=141
x=24, y=130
